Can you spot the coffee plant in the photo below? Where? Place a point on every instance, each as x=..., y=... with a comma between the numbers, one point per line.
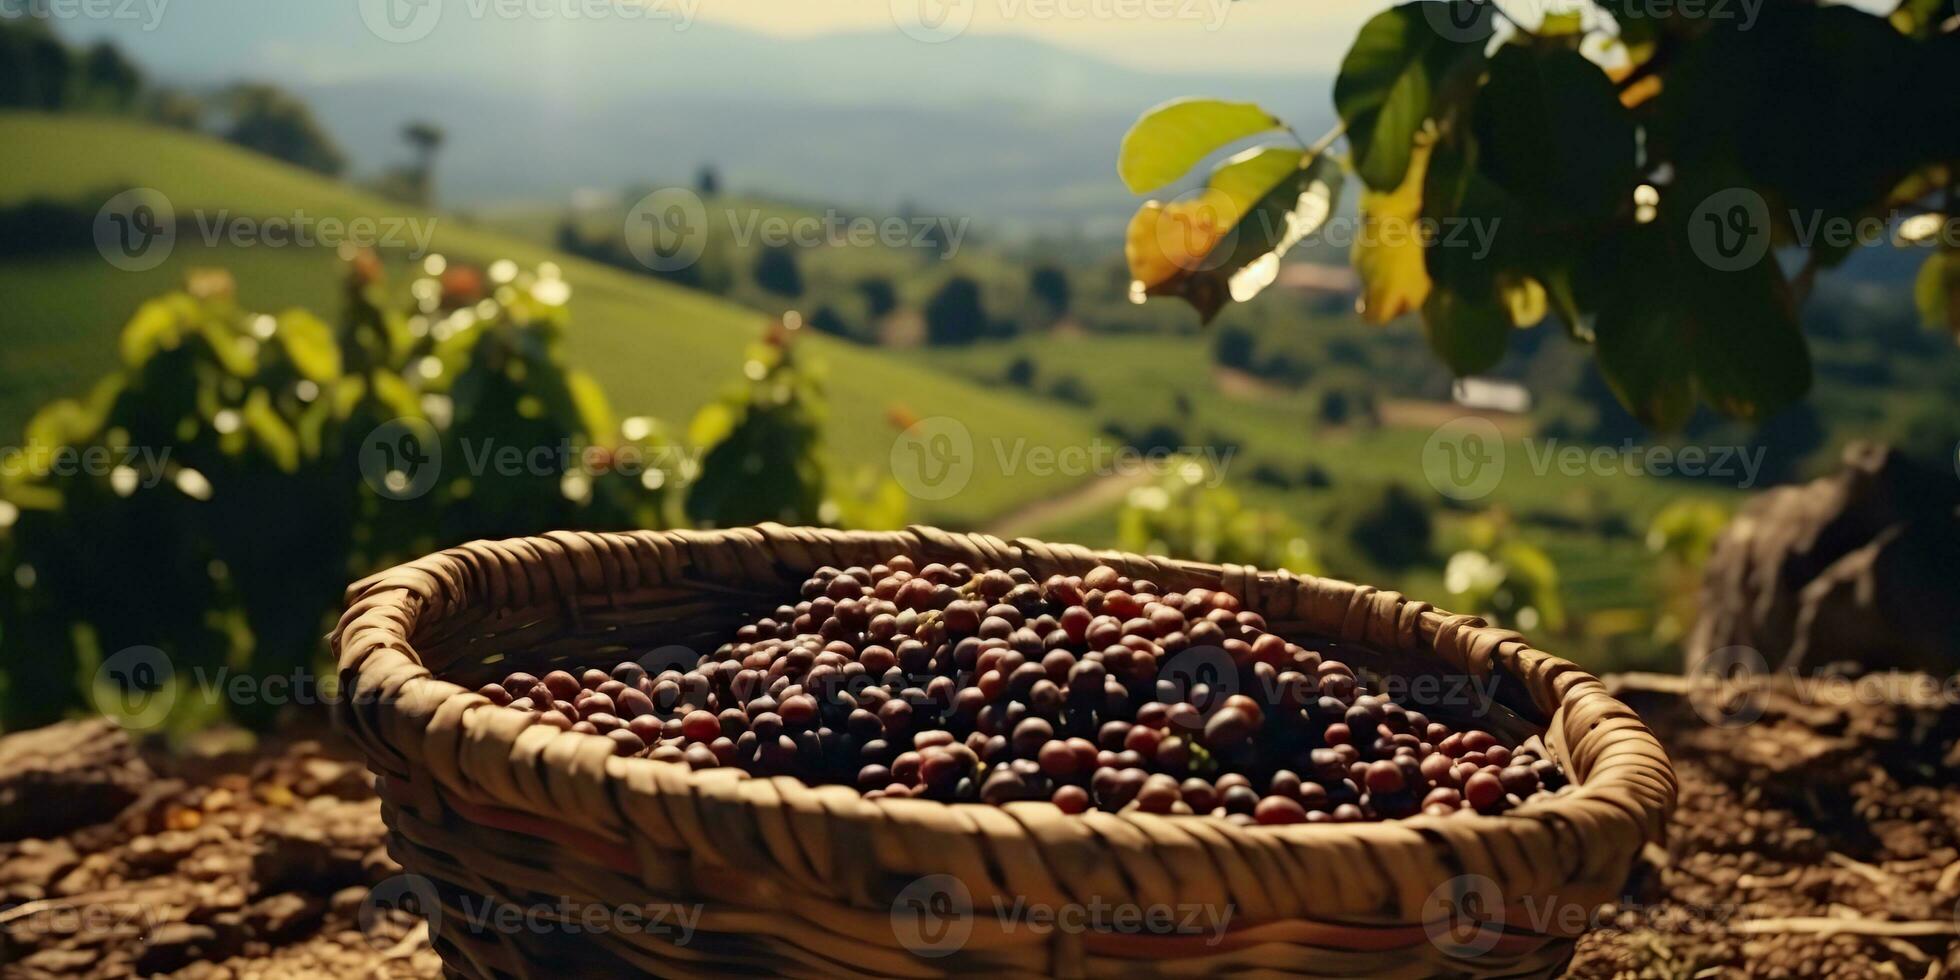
x=1502, y=577
x=211, y=498
x=766, y=463
x=1187, y=514
x=1642, y=172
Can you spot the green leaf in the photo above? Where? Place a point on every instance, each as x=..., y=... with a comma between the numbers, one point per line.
x=1476, y=222
x=1469, y=335
x=62, y=422
x=1295, y=207
x=1247, y=177
x=395, y=395
x=271, y=431
x=1551, y=131
x=1388, y=81
x=1644, y=362
x=233, y=351
x=1821, y=105
x=1167, y=141
x=594, y=412
x=156, y=326
x=711, y=425
x=1750, y=355
x=310, y=344
x=1934, y=289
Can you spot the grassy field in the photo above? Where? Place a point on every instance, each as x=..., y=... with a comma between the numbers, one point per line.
x=659, y=349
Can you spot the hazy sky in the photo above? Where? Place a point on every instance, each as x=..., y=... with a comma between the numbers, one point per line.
x=1174, y=35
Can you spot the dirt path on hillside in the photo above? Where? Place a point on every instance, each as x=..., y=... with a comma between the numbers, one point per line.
x=1101, y=492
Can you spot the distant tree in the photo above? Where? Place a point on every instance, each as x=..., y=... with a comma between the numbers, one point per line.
x=570, y=241
x=880, y=299
x=425, y=139
x=776, y=272
x=35, y=67
x=174, y=108
x=1049, y=284
x=1347, y=404
x=1389, y=525
x=110, y=81
x=270, y=121
x=954, y=314
x=707, y=182
x=1020, y=372
x=826, y=319
x=1071, y=389
x=1234, y=348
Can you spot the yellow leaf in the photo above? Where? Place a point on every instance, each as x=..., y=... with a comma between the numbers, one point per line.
x=1167, y=240
x=1388, y=252
x=1633, y=95
x=1524, y=298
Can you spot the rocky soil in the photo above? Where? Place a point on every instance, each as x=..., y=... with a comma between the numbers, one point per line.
x=1821, y=838
x=244, y=864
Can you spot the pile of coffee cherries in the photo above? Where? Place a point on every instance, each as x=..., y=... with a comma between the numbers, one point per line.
x=1094, y=691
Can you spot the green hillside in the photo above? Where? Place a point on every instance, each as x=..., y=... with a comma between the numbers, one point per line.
x=659, y=349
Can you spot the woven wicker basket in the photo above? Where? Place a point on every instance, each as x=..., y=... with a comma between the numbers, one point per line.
x=789, y=879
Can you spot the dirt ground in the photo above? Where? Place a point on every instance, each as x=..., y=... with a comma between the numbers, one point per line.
x=1820, y=839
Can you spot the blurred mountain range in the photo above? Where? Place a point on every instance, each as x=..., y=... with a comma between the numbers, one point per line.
x=1018, y=131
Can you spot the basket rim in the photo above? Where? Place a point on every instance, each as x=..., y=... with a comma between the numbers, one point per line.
x=1623, y=786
